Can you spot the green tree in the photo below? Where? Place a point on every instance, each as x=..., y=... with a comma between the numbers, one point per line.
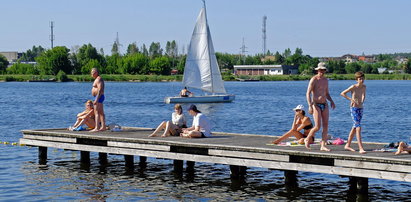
x=144, y=50
x=155, y=50
x=54, y=60
x=114, y=62
x=279, y=59
x=160, y=65
x=132, y=48
x=407, y=67
x=114, y=48
x=87, y=53
x=287, y=53
x=3, y=63
x=31, y=54
x=21, y=68
x=93, y=63
x=134, y=64
x=352, y=67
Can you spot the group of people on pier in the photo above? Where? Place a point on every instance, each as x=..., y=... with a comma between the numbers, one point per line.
x=317, y=96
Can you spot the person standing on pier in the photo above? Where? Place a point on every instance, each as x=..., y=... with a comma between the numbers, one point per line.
x=317, y=96
x=98, y=92
x=201, y=125
x=356, y=108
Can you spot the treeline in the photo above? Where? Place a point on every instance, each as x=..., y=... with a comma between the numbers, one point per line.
x=155, y=60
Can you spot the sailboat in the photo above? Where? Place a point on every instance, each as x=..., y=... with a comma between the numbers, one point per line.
x=201, y=69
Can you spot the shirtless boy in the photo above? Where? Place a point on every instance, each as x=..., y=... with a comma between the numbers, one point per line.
x=317, y=96
x=356, y=108
x=98, y=92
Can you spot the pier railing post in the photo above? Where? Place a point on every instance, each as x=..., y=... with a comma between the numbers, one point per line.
x=42, y=155
x=143, y=161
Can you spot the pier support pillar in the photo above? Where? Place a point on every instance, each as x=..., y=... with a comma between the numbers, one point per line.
x=85, y=157
x=359, y=184
x=129, y=159
x=143, y=161
x=102, y=157
x=291, y=178
x=190, y=166
x=178, y=166
x=42, y=155
x=238, y=171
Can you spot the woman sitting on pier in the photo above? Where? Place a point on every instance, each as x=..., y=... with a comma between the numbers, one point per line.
x=173, y=127
x=403, y=147
x=85, y=117
x=300, y=122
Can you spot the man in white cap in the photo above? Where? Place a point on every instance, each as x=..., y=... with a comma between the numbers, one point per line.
x=317, y=96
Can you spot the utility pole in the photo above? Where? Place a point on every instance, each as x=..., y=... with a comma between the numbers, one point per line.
x=264, y=35
x=52, y=35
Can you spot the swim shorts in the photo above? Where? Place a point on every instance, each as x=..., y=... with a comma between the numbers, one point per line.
x=356, y=115
x=101, y=100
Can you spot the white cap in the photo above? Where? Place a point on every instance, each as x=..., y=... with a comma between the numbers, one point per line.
x=299, y=107
x=321, y=65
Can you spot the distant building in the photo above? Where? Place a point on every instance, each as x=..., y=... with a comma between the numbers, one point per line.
x=265, y=70
x=11, y=56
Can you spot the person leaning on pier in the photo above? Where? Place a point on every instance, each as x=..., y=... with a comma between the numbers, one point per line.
x=201, y=125
x=318, y=106
x=300, y=122
x=173, y=127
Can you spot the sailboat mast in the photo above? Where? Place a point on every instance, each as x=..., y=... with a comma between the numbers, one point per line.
x=208, y=46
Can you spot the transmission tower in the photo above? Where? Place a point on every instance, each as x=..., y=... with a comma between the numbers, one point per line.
x=243, y=51
x=52, y=35
x=264, y=35
x=118, y=43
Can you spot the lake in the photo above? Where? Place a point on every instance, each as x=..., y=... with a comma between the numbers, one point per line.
x=259, y=108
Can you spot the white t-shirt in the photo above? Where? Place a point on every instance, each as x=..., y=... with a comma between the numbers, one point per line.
x=178, y=119
x=202, y=121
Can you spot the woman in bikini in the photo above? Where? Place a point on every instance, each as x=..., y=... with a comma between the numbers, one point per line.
x=85, y=117
x=300, y=122
x=173, y=127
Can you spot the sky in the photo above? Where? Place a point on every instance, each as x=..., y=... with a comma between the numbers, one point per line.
x=321, y=28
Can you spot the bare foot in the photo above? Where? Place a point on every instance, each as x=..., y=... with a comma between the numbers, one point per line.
x=400, y=148
x=362, y=152
x=94, y=130
x=152, y=135
x=398, y=152
x=307, y=144
x=103, y=129
x=349, y=148
x=323, y=148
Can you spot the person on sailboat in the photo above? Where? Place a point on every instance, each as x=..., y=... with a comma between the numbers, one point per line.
x=201, y=125
x=185, y=93
x=173, y=127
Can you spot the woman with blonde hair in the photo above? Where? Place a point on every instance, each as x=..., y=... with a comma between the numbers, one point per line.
x=85, y=117
x=173, y=127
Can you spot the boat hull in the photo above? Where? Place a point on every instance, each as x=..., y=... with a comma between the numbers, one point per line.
x=200, y=99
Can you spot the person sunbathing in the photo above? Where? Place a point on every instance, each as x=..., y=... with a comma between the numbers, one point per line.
x=300, y=122
x=85, y=117
x=403, y=148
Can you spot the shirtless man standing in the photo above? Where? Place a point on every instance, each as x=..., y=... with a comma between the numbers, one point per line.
x=318, y=87
x=98, y=92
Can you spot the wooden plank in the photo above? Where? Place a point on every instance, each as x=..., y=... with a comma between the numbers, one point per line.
x=250, y=155
x=367, y=173
x=138, y=146
x=372, y=165
x=50, y=138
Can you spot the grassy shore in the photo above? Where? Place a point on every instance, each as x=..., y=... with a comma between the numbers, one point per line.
x=159, y=78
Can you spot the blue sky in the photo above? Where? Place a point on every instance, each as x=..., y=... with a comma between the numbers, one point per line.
x=319, y=27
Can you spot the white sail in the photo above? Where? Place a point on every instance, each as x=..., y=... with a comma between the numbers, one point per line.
x=201, y=69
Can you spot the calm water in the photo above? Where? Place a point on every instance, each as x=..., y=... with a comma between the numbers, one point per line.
x=260, y=108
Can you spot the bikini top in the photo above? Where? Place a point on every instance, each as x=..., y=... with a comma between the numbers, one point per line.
x=308, y=127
